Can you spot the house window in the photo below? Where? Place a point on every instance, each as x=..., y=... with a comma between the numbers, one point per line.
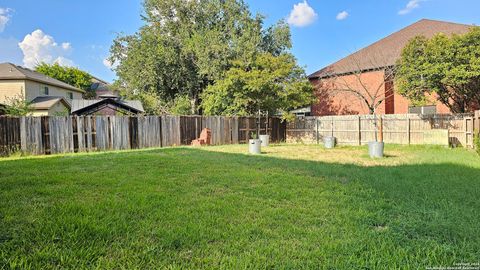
x=431, y=109
x=70, y=95
x=44, y=90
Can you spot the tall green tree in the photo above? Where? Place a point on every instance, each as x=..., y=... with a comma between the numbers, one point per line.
x=187, y=46
x=443, y=66
x=269, y=83
x=69, y=75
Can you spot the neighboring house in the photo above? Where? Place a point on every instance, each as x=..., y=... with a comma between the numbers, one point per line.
x=50, y=106
x=302, y=112
x=370, y=64
x=107, y=105
x=102, y=88
x=47, y=96
x=107, y=102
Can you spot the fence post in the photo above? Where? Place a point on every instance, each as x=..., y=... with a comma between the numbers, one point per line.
x=408, y=130
x=477, y=121
x=160, y=131
x=380, y=132
x=470, y=131
x=316, y=132
x=333, y=127
x=359, y=130
x=23, y=134
x=247, y=131
x=476, y=126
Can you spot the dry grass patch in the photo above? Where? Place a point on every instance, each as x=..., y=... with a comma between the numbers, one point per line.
x=395, y=155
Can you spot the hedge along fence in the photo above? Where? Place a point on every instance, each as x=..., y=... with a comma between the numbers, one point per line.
x=56, y=135
x=397, y=129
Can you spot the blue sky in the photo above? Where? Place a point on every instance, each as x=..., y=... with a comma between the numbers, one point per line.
x=80, y=32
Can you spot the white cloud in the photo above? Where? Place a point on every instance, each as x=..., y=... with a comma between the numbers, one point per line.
x=39, y=47
x=342, y=15
x=411, y=5
x=302, y=15
x=5, y=15
x=109, y=64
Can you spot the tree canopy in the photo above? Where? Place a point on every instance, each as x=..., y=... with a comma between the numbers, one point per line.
x=187, y=46
x=69, y=75
x=443, y=66
x=269, y=83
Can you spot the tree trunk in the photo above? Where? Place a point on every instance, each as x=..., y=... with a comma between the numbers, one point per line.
x=194, y=103
x=380, y=130
x=193, y=106
x=375, y=123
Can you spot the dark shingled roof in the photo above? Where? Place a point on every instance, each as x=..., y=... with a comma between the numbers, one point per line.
x=385, y=52
x=9, y=71
x=81, y=104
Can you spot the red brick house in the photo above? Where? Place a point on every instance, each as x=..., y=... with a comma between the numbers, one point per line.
x=369, y=68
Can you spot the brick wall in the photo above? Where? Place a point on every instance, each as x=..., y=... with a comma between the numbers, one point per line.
x=330, y=102
x=341, y=102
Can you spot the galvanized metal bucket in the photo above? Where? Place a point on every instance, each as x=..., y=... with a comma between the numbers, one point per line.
x=265, y=139
x=376, y=149
x=254, y=146
x=329, y=142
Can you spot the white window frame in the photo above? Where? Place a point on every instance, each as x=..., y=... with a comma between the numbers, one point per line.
x=422, y=108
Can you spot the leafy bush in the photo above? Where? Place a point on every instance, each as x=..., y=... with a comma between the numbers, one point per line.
x=181, y=105
x=17, y=106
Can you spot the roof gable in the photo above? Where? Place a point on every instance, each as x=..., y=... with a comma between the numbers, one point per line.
x=81, y=105
x=47, y=102
x=387, y=51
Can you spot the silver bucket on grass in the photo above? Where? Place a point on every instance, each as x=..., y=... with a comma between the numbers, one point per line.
x=376, y=149
x=265, y=140
x=255, y=146
x=329, y=142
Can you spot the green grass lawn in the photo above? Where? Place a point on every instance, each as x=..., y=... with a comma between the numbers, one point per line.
x=292, y=207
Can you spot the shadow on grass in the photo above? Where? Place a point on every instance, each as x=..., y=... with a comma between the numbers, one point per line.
x=341, y=215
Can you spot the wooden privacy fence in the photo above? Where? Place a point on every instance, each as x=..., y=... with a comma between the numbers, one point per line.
x=397, y=129
x=9, y=135
x=54, y=135
x=476, y=122
x=50, y=135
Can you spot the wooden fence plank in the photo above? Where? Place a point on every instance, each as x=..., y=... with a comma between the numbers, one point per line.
x=101, y=133
x=89, y=145
x=171, y=130
x=81, y=133
x=10, y=133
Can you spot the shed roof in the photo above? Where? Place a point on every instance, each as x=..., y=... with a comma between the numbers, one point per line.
x=81, y=104
x=47, y=102
x=385, y=52
x=9, y=71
